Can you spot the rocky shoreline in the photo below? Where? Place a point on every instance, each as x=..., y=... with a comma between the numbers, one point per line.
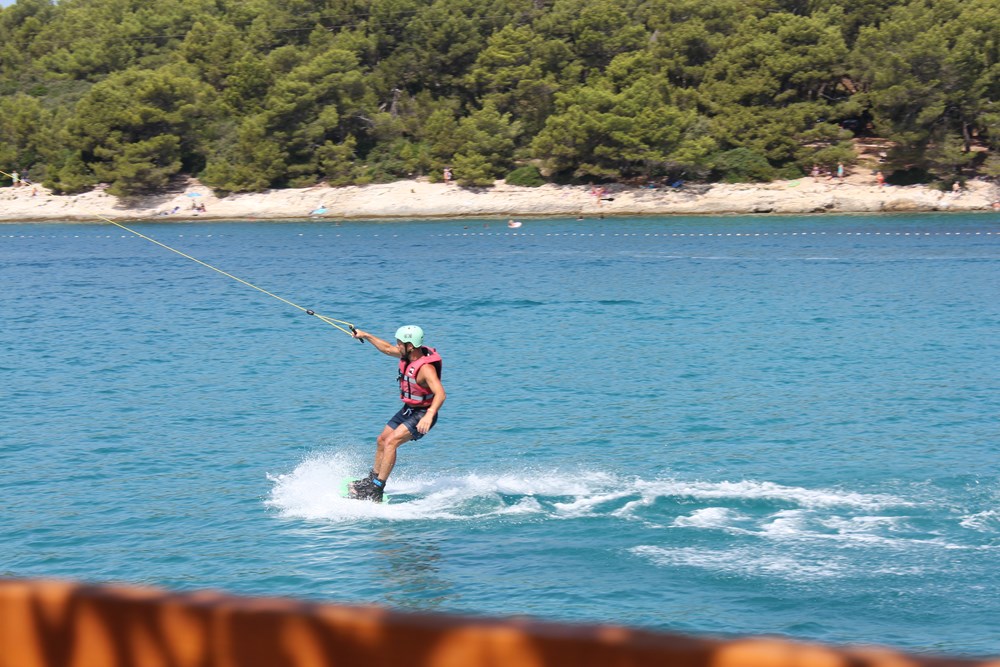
x=422, y=199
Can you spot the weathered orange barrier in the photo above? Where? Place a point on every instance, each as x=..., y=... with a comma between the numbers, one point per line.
x=59, y=624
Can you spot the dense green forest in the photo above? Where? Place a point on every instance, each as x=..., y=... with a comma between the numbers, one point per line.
x=255, y=94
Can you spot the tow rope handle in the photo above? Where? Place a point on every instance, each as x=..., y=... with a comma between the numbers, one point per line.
x=350, y=326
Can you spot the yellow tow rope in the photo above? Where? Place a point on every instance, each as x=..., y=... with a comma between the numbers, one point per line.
x=333, y=322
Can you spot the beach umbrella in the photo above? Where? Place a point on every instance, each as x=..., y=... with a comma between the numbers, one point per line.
x=194, y=194
x=319, y=211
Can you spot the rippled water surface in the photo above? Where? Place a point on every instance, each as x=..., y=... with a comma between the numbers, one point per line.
x=782, y=425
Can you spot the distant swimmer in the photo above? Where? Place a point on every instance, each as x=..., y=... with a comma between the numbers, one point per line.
x=513, y=224
x=422, y=394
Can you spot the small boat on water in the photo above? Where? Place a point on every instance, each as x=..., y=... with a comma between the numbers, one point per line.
x=513, y=224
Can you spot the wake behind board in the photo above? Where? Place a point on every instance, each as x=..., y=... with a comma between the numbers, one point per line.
x=344, y=490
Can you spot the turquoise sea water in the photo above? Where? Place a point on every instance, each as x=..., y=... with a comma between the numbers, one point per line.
x=781, y=425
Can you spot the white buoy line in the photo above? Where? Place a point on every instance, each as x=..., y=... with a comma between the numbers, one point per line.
x=550, y=234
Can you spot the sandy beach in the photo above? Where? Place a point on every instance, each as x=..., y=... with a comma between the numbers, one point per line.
x=421, y=199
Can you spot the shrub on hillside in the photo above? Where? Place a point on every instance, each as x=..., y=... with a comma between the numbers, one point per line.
x=743, y=165
x=527, y=176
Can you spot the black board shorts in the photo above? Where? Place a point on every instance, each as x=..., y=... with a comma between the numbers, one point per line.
x=410, y=416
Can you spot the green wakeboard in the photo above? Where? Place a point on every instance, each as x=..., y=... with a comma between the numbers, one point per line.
x=344, y=490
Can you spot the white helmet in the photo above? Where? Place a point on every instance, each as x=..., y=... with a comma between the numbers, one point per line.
x=410, y=334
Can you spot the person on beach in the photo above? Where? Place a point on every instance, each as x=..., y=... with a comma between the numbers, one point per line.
x=422, y=394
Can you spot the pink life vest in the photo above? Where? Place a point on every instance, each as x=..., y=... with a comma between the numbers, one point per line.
x=412, y=393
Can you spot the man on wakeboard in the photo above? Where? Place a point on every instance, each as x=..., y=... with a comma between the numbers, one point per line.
x=422, y=394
